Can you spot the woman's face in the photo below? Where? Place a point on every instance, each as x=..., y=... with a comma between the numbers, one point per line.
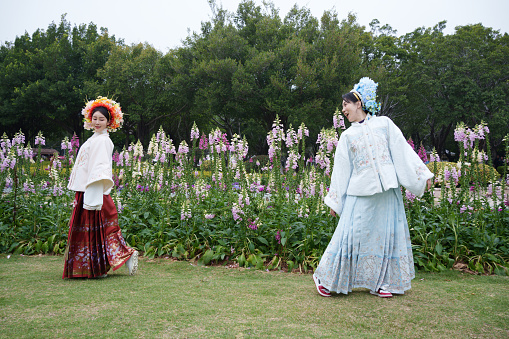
x=353, y=111
x=99, y=122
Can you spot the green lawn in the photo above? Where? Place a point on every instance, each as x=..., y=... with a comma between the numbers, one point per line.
x=179, y=300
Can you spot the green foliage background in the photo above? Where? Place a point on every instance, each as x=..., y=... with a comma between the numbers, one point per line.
x=245, y=67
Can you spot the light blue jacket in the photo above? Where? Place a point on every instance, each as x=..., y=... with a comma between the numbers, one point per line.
x=372, y=157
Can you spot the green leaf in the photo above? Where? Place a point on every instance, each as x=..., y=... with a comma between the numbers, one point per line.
x=50, y=240
x=441, y=268
x=421, y=263
x=479, y=267
x=259, y=263
x=290, y=264
x=19, y=250
x=150, y=252
x=492, y=257
x=431, y=265
x=263, y=240
x=13, y=246
x=274, y=263
x=241, y=260
x=450, y=263
x=438, y=249
x=207, y=257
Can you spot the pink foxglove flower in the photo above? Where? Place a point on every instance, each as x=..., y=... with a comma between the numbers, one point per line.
x=39, y=139
x=195, y=132
x=338, y=120
x=278, y=236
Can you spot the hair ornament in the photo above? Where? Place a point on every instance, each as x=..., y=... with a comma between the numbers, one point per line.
x=116, y=115
x=358, y=96
x=366, y=90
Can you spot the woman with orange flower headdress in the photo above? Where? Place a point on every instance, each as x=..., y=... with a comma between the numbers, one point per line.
x=95, y=243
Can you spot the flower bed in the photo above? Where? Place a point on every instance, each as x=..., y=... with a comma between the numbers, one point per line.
x=211, y=208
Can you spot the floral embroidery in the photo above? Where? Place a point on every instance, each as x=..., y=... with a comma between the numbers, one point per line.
x=368, y=250
x=398, y=277
x=380, y=146
x=95, y=243
x=360, y=154
x=421, y=170
x=333, y=195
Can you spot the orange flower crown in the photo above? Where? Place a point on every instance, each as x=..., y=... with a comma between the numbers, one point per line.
x=116, y=115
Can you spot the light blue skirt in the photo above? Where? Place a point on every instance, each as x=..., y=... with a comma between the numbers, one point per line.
x=371, y=246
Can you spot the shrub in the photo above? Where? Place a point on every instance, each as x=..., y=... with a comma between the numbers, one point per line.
x=480, y=172
x=501, y=169
x=206, y=165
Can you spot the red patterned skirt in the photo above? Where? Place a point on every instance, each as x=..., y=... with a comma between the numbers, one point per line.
x=95, y=243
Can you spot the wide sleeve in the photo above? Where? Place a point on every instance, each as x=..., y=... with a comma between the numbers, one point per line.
x=340, y=178
x=99, y=165
x=93, y=197
x=411, y=171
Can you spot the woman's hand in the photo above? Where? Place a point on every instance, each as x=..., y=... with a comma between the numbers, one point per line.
x=332, y=212
x=429, y=184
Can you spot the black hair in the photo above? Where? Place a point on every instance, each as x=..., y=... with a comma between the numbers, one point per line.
x=351, y=97
x=103, y=110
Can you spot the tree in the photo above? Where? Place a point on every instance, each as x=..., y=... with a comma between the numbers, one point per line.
x=43, y=76
x=247, y=67
x=133, y=75
x=443, y=80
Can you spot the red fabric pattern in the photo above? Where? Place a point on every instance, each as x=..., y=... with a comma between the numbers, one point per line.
x=94, y=243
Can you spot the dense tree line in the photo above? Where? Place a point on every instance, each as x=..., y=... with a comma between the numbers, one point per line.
x=244, y=68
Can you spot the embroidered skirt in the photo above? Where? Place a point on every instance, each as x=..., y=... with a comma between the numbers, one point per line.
x=94, y=243
x=370, y=247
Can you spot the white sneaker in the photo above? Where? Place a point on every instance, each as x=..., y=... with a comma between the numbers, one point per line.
x=132, y=263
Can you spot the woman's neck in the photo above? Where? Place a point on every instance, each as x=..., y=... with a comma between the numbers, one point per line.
x=361, y=117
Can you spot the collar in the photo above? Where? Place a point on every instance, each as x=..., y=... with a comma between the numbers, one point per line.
x=104, y=131
x=365, y=121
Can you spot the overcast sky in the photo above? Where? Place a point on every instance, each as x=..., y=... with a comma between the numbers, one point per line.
x=164, y=24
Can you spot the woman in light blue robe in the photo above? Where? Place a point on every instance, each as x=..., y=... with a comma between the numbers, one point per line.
x=371, y=245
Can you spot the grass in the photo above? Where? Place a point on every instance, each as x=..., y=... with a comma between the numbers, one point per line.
x=178, y=300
